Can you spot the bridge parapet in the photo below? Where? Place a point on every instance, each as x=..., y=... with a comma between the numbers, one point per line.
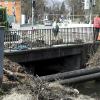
x=40, y=38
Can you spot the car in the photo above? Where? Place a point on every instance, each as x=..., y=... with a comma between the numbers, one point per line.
x=47, y=23
x=20, y=46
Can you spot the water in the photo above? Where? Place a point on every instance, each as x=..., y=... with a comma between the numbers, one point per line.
x=91, y=88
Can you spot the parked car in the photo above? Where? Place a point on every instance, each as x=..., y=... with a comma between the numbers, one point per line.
x=47, y=23
x=20, y=46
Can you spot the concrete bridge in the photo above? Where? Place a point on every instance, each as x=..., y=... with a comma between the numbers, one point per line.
x=72, y=46
x=73, y=56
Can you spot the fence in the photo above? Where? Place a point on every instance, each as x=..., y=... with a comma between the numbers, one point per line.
x=31, y=39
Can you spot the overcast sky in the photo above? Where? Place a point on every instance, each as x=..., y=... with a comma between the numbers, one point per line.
x=55, y=0
x=50, y=1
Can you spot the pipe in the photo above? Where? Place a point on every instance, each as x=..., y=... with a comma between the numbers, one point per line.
x=70, y=74
x=80, y=78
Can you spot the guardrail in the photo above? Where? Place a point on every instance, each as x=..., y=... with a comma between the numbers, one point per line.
x=30, y=39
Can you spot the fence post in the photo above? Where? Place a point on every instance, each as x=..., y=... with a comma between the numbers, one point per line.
x=1, y=52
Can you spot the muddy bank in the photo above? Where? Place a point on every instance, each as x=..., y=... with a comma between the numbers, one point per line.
x=94, y=58
x=31, y=90
x=18, y=84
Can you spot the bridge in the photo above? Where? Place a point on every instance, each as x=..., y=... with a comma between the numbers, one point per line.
x=71, y=44
x=20, y=40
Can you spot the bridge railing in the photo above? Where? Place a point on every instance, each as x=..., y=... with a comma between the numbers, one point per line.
x=38, y=38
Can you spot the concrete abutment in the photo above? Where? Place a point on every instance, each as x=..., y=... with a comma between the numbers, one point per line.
x=55, y=59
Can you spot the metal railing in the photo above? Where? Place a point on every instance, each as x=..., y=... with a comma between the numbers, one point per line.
x=31, y=39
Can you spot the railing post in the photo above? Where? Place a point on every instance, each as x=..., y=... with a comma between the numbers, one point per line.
x=50, y=37
x=1, y=52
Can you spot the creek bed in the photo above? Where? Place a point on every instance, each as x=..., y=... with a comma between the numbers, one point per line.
x=90, y=88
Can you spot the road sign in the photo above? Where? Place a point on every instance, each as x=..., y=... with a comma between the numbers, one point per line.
x=86, y=4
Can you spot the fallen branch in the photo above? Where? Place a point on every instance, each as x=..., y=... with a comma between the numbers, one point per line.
x=14, y=74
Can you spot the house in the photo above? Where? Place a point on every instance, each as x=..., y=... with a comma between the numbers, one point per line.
x=13, y=10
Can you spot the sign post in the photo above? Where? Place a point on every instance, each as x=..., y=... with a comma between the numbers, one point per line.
x=33, y=6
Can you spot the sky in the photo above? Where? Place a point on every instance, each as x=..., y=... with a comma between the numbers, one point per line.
x=50, y=1
x=59, y=0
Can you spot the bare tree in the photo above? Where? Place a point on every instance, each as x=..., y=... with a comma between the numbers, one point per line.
x=96, y=8
x=63, y=8
x=55, y=10
x=39, y=10
x=26, y=7
x=77, y=6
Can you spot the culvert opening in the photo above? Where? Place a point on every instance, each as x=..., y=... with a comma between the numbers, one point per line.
x=44, y=67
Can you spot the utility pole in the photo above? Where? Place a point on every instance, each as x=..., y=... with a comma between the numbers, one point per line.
x=33, y=6
x=73, y=12
x=88, y=7
x=92, y=4
x=90, y=11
